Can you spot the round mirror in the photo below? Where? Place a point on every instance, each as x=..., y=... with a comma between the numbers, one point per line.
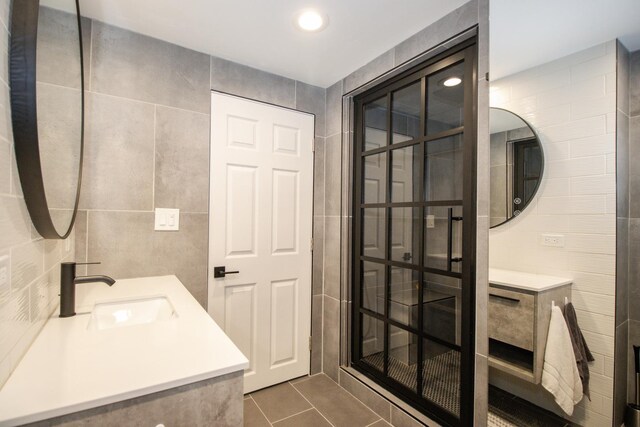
x=517, y=163
x=47, y=101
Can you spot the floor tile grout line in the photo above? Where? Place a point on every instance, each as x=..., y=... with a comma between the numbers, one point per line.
x=297, y=413
x=364, y=404
x=304, y=397
x=260, y=409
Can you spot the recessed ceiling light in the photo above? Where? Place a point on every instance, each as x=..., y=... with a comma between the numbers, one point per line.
x=452, y=81
x=311, y=20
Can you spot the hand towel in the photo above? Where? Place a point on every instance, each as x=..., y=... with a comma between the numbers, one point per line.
x=560, y=374
x=580, y=348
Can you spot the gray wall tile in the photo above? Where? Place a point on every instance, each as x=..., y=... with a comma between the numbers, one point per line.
x=634, y=84
x=182, y=160
x=331, y=337
x=128, y=247
x=466, y=16
x=316, y=334
x=634, y=159
x=633, y=339
x=311, y=99
x=131, y=65
x=481, y=401
x=318, y=256
x=399, y=418
x=334, y=109
x=318, y=177
x=623, y=234
x=332, y=256
x=623, y=151
x=333, y=174
x=118, y=171
x=237, y=79
x=621, y=367
x=369, y=71
x=634, y=269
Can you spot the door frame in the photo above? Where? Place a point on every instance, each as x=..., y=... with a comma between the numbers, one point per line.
x=210, y=278
x=468, y=338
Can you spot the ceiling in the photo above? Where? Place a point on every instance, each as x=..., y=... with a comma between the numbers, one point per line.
x=258, y=33
x=261, y=34
x=526, y=33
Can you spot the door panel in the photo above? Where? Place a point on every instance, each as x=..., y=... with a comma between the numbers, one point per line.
x=260, y=225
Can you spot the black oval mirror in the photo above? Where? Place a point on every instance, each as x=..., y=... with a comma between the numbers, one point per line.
x=517, y=164
x=47, y=102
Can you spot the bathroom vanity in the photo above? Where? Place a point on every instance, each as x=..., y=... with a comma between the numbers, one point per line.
x=141, y=352
x=519, y=314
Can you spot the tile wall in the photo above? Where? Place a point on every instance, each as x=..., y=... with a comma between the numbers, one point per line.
x=571, y=103
x=33, y=277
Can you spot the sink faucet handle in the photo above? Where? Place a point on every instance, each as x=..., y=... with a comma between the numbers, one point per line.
x=88, y=263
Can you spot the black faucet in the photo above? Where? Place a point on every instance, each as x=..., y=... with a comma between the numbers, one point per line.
x=68, y=282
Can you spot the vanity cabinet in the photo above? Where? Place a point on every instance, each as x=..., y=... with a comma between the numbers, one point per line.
x=519, y=312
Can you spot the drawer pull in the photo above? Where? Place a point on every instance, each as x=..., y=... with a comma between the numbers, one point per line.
x=504, y=298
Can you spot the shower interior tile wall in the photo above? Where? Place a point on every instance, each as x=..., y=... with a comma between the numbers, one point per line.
x=571, y=103
x=34, y=264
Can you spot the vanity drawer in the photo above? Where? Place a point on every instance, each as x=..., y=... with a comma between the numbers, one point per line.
x=511, y=317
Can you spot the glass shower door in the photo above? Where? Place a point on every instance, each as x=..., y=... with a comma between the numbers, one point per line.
x=414, y=225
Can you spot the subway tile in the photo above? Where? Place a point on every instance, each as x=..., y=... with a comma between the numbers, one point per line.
x=27, y=264
x=128, y=253
x=241, y=80
x=369, y=71
x=589, y=205
x=331, y=337
x=14, y=321
x=554, y=187
x=15, y=222
x=334, y=109
x=592, y=282
x=582, y=166
x=118, y=155
x=575, y=129
x=6, y=128
x=593, y=68
x=594, y=303
x=593, y=146
x=593, y=107
x=585, y=185
x=595, y=323
x=599, y=383
x=464, y=17
x=5, y=167
x=181, y=160
x=312, y=99
x=127, y=64
x=591, y=243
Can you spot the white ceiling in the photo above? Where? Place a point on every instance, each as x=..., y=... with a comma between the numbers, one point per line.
x=261, y=34
x=526, y=33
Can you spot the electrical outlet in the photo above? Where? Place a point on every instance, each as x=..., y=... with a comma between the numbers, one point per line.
x=167, y=219
x=4, y=274
x=554, y=240
x=431, y=221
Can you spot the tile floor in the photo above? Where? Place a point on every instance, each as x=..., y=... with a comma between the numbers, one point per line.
x=315, y=401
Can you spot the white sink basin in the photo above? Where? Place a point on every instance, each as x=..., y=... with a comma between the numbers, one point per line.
x=139, y=311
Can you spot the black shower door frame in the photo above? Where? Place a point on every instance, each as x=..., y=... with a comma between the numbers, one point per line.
x=466, y=52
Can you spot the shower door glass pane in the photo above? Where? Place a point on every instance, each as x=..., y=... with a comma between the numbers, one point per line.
x=414, y=222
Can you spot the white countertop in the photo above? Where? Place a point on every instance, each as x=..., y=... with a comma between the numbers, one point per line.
x=70, y=368
x=527, y=281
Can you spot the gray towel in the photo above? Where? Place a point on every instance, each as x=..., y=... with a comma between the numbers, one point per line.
x=580, y=347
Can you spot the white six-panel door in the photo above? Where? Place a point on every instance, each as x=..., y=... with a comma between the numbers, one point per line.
x=260, y=220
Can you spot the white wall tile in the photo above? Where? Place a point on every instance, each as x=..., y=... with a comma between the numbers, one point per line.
x=575, y=119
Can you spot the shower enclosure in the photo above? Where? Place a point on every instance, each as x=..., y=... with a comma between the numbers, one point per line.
x=414, y=235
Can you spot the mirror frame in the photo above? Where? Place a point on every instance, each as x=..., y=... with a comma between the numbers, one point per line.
x=535, y=191
x=22, y=79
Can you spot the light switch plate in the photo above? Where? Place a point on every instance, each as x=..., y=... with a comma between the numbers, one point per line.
x=431, y=221
x=554, y=240
x=167, y=219
x=4, y=274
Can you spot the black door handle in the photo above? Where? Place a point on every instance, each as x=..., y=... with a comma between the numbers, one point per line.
x=220, y=272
